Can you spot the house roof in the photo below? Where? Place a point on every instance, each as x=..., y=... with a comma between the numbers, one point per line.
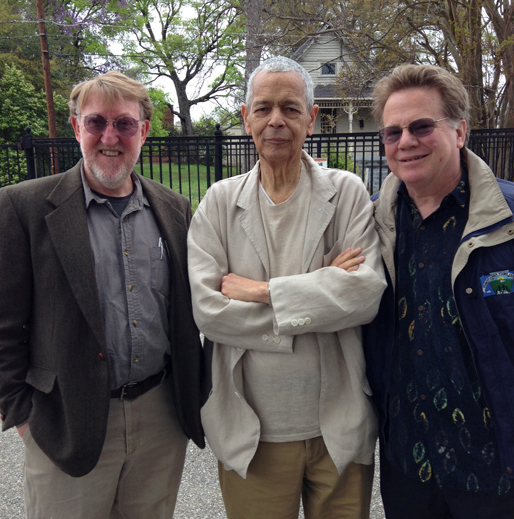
x=304, y=47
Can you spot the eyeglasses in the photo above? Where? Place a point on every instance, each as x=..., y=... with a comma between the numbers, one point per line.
x=418, y=128
x=96, y=124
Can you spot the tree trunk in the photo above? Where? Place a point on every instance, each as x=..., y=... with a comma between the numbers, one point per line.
x=253, y=38
x=184, y=107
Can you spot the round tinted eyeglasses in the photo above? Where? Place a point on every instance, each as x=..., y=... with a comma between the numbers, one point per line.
x=418, y=128
x=96, y=124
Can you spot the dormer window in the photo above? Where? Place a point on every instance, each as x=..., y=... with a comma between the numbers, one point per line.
x=328, y=69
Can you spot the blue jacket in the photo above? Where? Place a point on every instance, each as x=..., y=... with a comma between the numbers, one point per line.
x=487, y=247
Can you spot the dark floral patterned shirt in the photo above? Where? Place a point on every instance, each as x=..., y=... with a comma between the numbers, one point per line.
x=440, y=427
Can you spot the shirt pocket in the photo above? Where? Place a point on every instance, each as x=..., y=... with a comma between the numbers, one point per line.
x=160, y=276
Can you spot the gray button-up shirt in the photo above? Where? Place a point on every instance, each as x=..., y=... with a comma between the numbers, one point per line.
x=133, y=278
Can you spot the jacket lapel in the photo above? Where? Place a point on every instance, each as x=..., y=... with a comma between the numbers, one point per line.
x=321, y=211
x=68, y=229
x=164, y=210
x=251, y=218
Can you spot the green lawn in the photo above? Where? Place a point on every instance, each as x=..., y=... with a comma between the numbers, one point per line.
x=190, y=180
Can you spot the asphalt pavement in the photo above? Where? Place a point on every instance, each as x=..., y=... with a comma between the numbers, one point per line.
x=199, y=496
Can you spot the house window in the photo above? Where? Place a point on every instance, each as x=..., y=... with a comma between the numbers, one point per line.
x=328, y=69
x=328, y=120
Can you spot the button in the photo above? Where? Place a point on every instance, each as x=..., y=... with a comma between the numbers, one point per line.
x=126, y=252
x=130, y=287
x=420, y=353
x=422, y=227
x=277, y=340
x=240, y=350
x=265, y=337
x=271, y=338
x=508, y=470
x=308, y=320
x=136, y=359
x=421, y=265
x=294, y=322
x=469, y=291
x=423, y=397
x=471, y=244
x=301, y=322
x=101, y=356
x=421, y=308
x=510, y=231
x=134, y=322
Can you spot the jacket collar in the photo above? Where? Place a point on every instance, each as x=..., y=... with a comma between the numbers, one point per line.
x=320, y=215
x=487, y=205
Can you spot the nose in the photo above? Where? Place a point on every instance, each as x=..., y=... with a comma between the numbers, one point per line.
x=407, y=139
x=276, y=120
x=110, y=135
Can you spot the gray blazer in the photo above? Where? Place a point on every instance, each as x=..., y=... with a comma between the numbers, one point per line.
x=53, y=358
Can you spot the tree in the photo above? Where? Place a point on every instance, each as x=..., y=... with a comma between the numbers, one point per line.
x=19, y=42
x=161, y=107
x=254, y=38
x=201, y=55
x=22, y=106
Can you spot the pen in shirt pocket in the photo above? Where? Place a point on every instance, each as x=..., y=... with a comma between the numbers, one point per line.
x=160, y=245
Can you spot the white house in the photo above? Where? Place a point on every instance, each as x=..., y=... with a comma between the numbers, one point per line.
x=322, y=56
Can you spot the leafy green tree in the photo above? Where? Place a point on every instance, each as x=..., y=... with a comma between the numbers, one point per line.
x=161, y=102
x=21, y=106
x=202, y=54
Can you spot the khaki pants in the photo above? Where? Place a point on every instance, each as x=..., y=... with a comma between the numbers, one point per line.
x=282, y=473
x=137, y=476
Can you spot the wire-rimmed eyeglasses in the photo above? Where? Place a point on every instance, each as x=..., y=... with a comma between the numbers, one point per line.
x=96, y=124
x=419, y=128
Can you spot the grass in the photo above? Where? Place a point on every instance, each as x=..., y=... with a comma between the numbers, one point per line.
x=190, y=180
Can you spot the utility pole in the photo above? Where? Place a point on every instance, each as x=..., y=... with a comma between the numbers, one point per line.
x=48, y=81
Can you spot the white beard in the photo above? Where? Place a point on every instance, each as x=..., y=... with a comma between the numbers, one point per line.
x=111, y=179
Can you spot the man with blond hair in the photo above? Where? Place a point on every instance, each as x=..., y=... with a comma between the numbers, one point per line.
x=99, y=353
x=440, y=355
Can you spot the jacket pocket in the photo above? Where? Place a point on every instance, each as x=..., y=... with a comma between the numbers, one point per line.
x=41, y=379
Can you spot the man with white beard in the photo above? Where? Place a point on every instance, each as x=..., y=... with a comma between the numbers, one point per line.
x=99, y=354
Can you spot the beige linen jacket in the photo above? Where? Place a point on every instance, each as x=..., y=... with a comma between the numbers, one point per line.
x=227, y=235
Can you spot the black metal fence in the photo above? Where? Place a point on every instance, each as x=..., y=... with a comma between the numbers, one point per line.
x=190, y=165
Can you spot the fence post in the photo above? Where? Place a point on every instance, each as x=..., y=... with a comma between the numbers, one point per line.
x=218, y=154
x=26, y=144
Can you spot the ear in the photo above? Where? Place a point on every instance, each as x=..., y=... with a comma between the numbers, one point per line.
x=312, y=114
x=461, y=134
x=145, y=128
x=76, y=128
x=245, y=111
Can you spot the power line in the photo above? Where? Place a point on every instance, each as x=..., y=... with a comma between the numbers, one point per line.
x=80, y=24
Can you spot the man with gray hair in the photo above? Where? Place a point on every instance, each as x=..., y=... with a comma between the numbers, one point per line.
x=100, y=358
x=440, y=356
x=284, y=268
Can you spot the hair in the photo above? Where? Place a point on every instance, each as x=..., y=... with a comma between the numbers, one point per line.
x=282, y=64
x=110, y=87
x=454, y=96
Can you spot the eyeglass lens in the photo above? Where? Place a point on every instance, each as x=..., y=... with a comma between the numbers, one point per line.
x=418, y=128
x=96, y=124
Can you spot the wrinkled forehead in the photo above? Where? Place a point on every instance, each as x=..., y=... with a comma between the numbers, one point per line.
x=106, y=98
x=273, y=85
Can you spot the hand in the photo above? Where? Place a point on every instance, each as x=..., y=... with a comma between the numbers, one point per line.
x=22, y=428
x=349, y=260
x=244, y=289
